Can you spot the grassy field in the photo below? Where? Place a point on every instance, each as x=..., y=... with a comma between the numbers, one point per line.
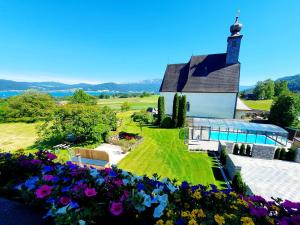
x=259, y=104
x=16, y=136
x=134, y=103
x=162, y=152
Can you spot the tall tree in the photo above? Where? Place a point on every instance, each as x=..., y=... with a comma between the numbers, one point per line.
x=284, y=110
x=175, y=110
x=259, y=90
x=269, y=89
x=182, y=111
x=281, y=87
x=81, y=97
x=161, y=109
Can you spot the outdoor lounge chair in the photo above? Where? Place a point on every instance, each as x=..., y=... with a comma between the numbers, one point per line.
x=91, y=157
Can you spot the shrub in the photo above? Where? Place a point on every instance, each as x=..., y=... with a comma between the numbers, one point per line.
x=282, y=154
x=30, y=104
x=77, y=123
x=236, y=149
x=277, y=153
x=243, y=149
x=142, y=116
x=167, y=122
x=248, y=150
x=291, y=154
x=223, y=155
x=125, y=106
x=238, y=185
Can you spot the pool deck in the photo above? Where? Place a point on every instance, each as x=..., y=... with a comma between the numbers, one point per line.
x=270, y=178
x=203, y=145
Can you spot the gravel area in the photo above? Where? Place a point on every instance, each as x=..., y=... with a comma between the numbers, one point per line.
x=115, y=152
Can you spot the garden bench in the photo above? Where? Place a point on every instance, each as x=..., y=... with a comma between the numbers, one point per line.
x=91, y=157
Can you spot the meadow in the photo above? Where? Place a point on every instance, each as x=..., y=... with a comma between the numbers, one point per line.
x=259, y=104
x=164, y=153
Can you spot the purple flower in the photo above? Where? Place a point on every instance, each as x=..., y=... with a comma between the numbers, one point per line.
x=256, y=198
x=140, y=187
x=48, y=177
x=184, y=185
x=291, y=205
x=258, y=212
x=36, y=162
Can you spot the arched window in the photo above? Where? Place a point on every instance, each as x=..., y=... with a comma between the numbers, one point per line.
x=188, y=106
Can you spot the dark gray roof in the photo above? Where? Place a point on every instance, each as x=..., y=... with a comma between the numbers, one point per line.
x=205, y=73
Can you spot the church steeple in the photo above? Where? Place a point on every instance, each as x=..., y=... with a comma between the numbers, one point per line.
x=234, y=42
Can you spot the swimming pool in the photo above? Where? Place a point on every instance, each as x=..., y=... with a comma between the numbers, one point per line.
x=240, y=137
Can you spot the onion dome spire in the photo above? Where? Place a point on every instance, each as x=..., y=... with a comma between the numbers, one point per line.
x=236, y=27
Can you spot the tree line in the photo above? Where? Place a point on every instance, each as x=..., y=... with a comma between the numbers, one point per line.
x=179, y=111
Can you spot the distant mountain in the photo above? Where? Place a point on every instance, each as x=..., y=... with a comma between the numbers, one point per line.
x=293, y=82
x=145, y=85
x=243, y=88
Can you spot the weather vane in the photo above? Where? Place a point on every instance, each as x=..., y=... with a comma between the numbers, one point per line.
x=238, y=13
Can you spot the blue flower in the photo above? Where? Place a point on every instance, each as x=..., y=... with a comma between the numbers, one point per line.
x=158, y=211
x=74, y=205
x=100, y=181
x=140, y=187
x=30, y=183
x=66, y=189
x=62, y=210
x=94, y=173
x=125, y=181
x=184, y=185
x=47, y=169
x=50, y=200
x=180, y=221
x=171, y=187
x=112, y=173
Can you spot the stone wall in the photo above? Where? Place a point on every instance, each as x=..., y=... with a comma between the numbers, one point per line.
x=297, y=157
x=263, y=151
x=231, y=168
x=229, y=146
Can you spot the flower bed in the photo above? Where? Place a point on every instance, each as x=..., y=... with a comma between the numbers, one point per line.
x=127, y=141
x=74, y=195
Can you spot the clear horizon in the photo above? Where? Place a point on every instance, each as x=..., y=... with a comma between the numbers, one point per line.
x=99, y=41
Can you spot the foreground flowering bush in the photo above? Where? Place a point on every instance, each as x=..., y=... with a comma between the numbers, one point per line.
x=73, y=195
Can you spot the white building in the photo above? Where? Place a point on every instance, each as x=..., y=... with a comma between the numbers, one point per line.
x=210, y=82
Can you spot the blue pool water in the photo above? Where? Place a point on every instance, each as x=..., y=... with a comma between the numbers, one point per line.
x=251, y=138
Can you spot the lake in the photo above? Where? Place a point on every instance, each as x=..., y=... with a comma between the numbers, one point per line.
x=7, y=94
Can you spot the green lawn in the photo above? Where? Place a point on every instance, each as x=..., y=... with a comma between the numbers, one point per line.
x=16, y=136
x=162, y=152
x=134, y=103
x=259, y=104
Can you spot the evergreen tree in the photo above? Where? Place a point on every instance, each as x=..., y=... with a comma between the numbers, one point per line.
x=248, y=150
x=236, y=149
x=243, y=150
x=269, y=89
x=182, y=111
x=161, y=109
x=282, y=154
x=238, y=185
x=277, y=152
x=175, y=110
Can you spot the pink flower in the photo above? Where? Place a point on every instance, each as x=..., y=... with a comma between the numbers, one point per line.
x=51, y=156
x=43, y=191
x=48, y=177
x=116, y=208
x=90, y=192
x=118, y=182
x=124, y=196
x=64, y=200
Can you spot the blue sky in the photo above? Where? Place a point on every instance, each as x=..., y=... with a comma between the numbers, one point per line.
x=123, y=41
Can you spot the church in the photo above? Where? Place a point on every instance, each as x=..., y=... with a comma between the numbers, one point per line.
x=210, y=82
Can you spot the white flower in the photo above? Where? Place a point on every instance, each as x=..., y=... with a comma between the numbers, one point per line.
x=100, y=181
x=94, y=172
x=147, y=200
x=81, y=222
x=62, y=210
x=125, y=181
x=171, y=187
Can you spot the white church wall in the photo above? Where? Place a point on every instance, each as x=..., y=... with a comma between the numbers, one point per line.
x=214, y=105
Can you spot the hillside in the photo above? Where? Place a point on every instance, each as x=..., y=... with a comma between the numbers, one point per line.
x=293, y=82
x=146, y=85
